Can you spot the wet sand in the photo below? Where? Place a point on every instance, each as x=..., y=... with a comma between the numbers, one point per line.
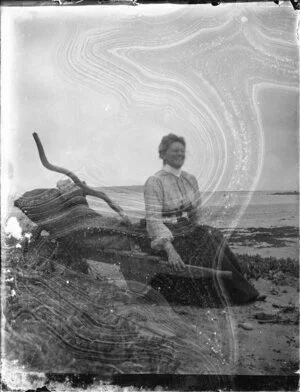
x=277, y=242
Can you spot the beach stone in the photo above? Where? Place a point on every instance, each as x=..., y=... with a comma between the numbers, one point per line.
x=262, y=316
x=246, y=326
x=274, y=291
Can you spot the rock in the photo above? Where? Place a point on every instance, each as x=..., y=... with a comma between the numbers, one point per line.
x=265, y=317
x=246, y=326
x=261, y=297
x=274, y=291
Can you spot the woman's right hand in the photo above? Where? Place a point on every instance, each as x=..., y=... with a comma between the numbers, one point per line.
x=173, y=257
x=175, y=261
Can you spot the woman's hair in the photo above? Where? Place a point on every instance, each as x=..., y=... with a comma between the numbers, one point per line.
x=166, y=142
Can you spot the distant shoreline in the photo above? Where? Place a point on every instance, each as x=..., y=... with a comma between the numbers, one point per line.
x=286, y=193
x=139, y=188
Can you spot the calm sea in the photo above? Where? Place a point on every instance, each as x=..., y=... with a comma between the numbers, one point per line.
x=219, y=209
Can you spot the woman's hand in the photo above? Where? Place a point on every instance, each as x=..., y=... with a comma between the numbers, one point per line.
x=174, y=259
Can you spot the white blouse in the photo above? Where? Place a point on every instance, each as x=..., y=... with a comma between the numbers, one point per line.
x=169, y=190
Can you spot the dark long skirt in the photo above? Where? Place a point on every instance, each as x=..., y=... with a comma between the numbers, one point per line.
x=204, y=246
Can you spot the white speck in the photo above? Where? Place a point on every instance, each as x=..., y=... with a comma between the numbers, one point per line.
x=18, y=246
x=244, y=19
x=13, y=228
x=67, y=282
x=13, y=293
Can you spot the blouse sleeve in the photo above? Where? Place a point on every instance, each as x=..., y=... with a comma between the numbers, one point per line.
x=157, y=230
x=197, y=201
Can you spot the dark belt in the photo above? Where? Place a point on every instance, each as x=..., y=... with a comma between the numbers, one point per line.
x=183, y=218
x=174, y=219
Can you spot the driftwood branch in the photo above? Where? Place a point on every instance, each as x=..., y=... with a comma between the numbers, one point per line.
x=148, y=265
x=87, y=190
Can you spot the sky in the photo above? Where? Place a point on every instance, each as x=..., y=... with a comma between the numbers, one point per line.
x=102, y=85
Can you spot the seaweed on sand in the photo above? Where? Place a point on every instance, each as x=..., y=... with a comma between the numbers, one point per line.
x=273, y=236
x=255, y=266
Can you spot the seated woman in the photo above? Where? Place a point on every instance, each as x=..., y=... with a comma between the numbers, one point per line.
x=172, y=201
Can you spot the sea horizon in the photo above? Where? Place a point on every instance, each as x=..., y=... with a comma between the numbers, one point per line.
x=140, y=187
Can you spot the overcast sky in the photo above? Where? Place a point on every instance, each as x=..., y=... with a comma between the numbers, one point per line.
x=102, y=85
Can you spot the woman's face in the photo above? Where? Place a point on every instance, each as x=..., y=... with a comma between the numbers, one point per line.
x=175, y=155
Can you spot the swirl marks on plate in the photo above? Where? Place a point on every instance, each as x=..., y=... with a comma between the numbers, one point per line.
x=192, y=73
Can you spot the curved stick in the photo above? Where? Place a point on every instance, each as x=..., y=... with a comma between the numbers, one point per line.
x=87, y=190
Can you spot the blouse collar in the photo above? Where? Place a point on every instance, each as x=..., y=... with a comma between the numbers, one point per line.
x=170, y=169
